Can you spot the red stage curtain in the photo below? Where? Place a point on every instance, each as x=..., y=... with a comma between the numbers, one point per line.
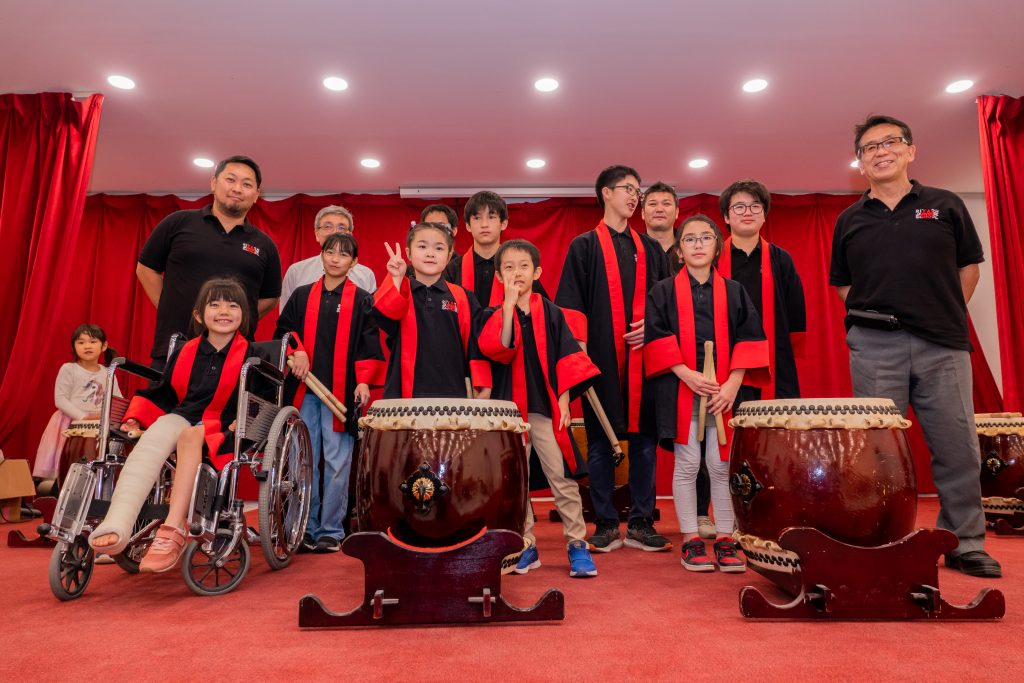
x=47, y=142
x=114, y=228
x=1001, y=121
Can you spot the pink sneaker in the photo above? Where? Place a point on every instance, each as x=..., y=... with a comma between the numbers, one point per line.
x=165, y=551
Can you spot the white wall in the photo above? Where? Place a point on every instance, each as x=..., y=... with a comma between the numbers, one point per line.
x=983, y=304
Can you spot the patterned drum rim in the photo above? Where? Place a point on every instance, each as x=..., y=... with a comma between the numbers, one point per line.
x=820, y=413
x=86, y=428
x=996, y=505
x=444, y=414
x=994, y=424
x=766, y=554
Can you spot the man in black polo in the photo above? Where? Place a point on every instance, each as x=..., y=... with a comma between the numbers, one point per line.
x=905, y=261
x=189, y=247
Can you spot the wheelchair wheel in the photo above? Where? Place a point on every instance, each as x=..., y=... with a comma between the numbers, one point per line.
x=285, y=493
x=203, y=575
x=71, y=567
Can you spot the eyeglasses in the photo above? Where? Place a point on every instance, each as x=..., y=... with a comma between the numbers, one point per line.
x=872, y=148
x=705, y=239
x=740, y=209
x=631, y=190
x=332, y=227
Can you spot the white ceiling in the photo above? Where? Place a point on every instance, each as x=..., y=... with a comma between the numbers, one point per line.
x=441, y=92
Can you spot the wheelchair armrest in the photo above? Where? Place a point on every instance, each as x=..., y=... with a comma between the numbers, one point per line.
x=139, y=369
x=265, y=368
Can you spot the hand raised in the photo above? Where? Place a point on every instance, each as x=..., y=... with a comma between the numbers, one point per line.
x=396, y=264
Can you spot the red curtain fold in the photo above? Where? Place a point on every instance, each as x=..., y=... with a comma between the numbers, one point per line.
x=1001, y=122
x=114, y=228
x=47, y=143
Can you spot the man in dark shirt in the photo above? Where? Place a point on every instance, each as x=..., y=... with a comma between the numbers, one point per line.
x=911, y=253
x=189, y=247
x=660, y=211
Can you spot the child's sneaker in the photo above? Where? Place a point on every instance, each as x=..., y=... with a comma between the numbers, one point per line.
x=581, y=564
x=726, y=554
x=165, y=550
x=530, y=559
x=606, y=536
x=695, y=556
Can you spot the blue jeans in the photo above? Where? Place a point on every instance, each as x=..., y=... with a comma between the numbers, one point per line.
x=330, y=484
x=642, y=460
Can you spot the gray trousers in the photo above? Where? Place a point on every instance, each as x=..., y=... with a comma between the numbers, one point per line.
x=936, y=381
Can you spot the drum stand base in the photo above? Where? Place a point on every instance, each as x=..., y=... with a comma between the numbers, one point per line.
x=406, y=585
x=16, y=539
x=893, y=581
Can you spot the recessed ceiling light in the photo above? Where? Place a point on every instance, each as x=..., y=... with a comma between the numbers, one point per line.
x=335, y=83
x=536, y=163
x=855, y=164
x=546, y=84
x=202, y=162
x=698, y=163
x=122, y=82
x=959, y=86
x=370, y=163
x=755, y=85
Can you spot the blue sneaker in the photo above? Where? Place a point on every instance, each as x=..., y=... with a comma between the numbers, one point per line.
x=581, y=564
x=529, y=560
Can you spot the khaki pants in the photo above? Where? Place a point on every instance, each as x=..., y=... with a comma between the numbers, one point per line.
x=565, y=490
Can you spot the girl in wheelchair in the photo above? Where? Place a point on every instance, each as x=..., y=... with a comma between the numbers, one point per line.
x=191, y=409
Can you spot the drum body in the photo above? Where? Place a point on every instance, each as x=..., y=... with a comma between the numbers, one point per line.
x=80, y=445
x=1001, y=441
x=841, y=466
x=435, y=472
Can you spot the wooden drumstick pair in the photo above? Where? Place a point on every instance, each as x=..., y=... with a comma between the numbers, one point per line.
x=323, y=393
x=702, y=415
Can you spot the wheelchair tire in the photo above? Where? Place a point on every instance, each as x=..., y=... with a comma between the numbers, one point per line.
x=71, y=566
x=202, y=574
x=286, y=491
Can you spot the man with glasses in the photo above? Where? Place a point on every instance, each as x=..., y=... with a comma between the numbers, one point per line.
x=905, y=262
x=767, y=272
x=603, y=290
x=329, y=220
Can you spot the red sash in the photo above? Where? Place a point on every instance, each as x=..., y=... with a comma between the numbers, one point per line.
x=618, y=306
x=341, y=340
x=410, y=335
x=767, y=303
x=688, y=349
x=469, y=282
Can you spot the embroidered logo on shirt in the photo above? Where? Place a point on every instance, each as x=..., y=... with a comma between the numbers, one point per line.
x=449, y=306
x=252, y=249
x=927, y=214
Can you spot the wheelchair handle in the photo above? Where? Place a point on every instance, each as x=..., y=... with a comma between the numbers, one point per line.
x=134, y=368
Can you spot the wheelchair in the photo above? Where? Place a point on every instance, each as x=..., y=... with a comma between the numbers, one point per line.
x=270, y=438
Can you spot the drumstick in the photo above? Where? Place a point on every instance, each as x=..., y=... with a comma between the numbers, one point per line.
x=709, y=372
x=323, y=393
x=469, y=388
x=617, y=455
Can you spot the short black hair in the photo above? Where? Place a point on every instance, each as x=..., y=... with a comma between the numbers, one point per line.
x=880, y=120
x=453, y=218
x=701, y=218
x=440, y=227
x=485, y=200
x=222, y=289
x=751, y=187
x=610, y=176
x=342, y=241
x=660, y=188
x=96, y=332
x=239, y=159
x=517, y=245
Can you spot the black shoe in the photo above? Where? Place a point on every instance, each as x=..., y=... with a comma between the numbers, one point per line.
x=327, y=544
x=606, y=537
x=308, y=545
x=975, y=563
x=642, y=535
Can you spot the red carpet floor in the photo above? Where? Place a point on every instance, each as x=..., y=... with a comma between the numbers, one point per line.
x=643, y=618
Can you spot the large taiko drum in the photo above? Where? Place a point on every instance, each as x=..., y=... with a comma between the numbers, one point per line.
x=1001, y=440
x=842, y=466
x=436, y=472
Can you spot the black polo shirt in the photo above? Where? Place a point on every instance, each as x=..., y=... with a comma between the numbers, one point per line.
x=202, y=383
x=906, y=262
x=537, y=400
x=746, y=270
x=327, y=334
x=703, y=316
x=189, y=248
x=625, y=254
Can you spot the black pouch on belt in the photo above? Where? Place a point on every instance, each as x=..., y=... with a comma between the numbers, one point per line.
x=873, y=319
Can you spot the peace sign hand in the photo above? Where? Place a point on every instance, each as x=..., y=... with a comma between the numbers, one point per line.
x=396, y=264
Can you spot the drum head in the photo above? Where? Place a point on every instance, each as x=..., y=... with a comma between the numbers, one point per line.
x=820, y=413
x=444, y=414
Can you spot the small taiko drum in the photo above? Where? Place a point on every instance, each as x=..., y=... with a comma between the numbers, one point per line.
x=436, y=472
x=579, y=435
x=81, y=438
x=841, y=466
x=1001, y=440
